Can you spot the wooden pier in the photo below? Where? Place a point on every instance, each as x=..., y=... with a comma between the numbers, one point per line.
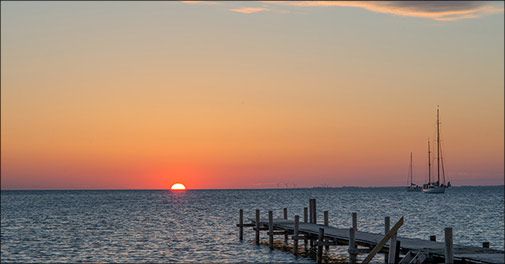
x=317, y=239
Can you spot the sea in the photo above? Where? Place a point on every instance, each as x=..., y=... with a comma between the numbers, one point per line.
x=160, y=226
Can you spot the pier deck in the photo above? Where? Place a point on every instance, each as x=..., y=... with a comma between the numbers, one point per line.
x=317, y=238
x=366, y=239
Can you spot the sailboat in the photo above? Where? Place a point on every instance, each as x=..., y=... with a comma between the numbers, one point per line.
x=412, y=187
x=436, y=186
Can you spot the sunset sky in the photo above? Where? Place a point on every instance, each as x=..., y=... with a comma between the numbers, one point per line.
x=140, y=95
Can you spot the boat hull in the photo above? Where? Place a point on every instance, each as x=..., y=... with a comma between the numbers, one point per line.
x=434, y=189
x=414, y=189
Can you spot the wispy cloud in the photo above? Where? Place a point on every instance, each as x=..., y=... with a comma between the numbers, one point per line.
x=249, y=10
x=199, y=2
x=437, y=10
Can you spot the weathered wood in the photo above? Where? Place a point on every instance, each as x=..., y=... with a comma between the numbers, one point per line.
x=392, y=249
x=305, y=214
x=241, y=224
x=305, y=220
x=326, y=223
x=320, y=240
x=340, y=236
x=397, y=251
x=485, y=244
x=387, y=225
x=257, y=238
x=285, y=214
x=449, y=254
x=355, y=221
x=433, y=238
x=352, y=246
x=383, y=241
x=295, y=234
x=271, y=229
x=407, y=258
x=311, y=207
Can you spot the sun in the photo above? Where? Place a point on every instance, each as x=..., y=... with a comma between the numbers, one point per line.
x=178, y=187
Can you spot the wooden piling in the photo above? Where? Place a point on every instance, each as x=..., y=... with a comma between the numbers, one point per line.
x=449, y=253
x=305, y=214
x=433, y=238
x=271, y=229
x=326, y=223
x=311, y=219
x=241, y=224
x=310, y=211
x=285, y=214
x=352, y=246
x=387, y=224
x=305, y=219
x=397, y=251
x=320, y=241
x=257, y=239
x=314, y=211
x=355, y=221
x=485, y=244
x=392, y=249
x=295, y=234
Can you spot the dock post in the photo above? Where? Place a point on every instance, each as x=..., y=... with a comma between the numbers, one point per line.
x=320, y=241
x=355, y=221
x=305, y=214
x=326, y=223
x=387, y=224
x=392, y=249
x=433, y=238
x=257, y=239
x=311, y=220
x=295, y=234
x=314, y=211
x=485, y=244
x=311, y=207
x=449, y=254
x=271, y=229
x=285, y=214
x=305, y=219
x=352, y=246
x=241, y=224
x=397, y=251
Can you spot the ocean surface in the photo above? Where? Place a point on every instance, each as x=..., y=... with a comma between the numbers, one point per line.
x=199, y=225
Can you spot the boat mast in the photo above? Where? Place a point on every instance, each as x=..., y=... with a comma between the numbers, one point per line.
x=438, y=149
x=411, y=175
x=429, y=163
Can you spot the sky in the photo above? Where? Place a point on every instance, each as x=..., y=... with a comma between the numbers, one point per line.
x=140, y=95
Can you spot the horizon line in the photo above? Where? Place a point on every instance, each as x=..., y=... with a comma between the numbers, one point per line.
x=237, y=189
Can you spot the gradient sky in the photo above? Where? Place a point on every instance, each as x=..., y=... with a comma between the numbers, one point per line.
x=139, y=95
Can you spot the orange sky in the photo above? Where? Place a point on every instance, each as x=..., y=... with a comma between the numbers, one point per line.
x=191, y=93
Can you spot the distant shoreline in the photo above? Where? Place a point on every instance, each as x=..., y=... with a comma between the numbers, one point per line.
x=253, y=189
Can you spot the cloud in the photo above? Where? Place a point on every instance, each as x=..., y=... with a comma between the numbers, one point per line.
x=199, y=2
x=249, y=10
x=436, y=10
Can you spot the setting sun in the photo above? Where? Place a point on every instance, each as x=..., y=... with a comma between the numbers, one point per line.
x=178, y=186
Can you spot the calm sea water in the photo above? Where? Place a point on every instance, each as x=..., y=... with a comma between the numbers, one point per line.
x=199, y=226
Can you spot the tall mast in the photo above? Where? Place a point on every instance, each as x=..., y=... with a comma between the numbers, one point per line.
x=438, y=149
x=429, y=162
x=411, y=175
